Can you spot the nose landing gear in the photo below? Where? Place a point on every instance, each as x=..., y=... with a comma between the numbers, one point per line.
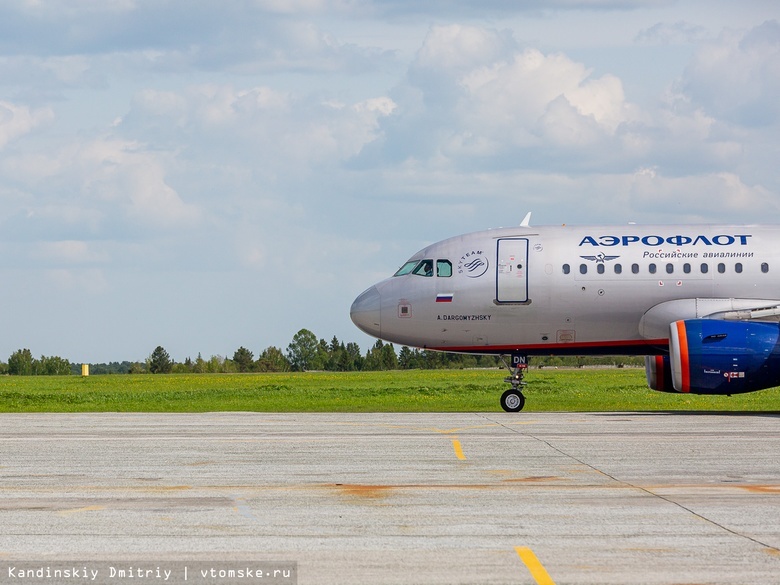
x=513, y=399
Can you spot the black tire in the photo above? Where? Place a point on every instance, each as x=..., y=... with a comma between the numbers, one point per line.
x=512, y=401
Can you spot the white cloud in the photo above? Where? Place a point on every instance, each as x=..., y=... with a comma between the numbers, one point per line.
x=515, y=100
x=696, y=195
x=737, y=76
x=100, y=186
x=90, y=281
x=269, y=131
x=148, y=197
x=564, y=125
x=76, y=7
x=73, y=252
x=669, y=34
x=16, y=121
x=134, y=179
x=476, y=96
x=457, y=47
x=168, y=104
x=474, y=100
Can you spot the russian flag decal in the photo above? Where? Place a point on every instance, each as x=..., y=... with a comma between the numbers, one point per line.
x=446, y=298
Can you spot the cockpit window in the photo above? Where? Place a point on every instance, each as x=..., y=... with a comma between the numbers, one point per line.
x=406, y=268
x=424, y=268
x=443, y=268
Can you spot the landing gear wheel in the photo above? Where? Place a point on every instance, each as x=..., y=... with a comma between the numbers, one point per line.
x=512, y=400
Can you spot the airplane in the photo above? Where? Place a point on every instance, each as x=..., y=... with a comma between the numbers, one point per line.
x=700, y=302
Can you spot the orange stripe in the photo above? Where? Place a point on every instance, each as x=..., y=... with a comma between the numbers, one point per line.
x=659, y=373
x=682, y=336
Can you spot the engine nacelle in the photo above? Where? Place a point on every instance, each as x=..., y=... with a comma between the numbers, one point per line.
x=659, y=373
x=710, y=356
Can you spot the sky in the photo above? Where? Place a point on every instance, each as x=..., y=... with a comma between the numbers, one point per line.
x=211, y=175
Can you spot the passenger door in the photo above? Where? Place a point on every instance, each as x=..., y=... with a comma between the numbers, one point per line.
x=512, y=270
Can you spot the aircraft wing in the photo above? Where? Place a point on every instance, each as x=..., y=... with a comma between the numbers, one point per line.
x=654, y=324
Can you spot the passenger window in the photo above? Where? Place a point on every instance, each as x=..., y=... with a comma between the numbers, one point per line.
x=600, y=268
x=721, y=267
x=687, y=268
x=583, y=268
x=704, y=268
x=651, y=268
x=635, y=268
x=764, y=267
x=738, y=268
x=424, y=268
x=443, y=268
x=669, y=268
x=566, y=269
x=618, y=269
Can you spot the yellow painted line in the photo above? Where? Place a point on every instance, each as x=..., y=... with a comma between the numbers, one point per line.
x=458, y=429
x=72, y=511
x=458, y=450
x=475, y=427
x=538, y=572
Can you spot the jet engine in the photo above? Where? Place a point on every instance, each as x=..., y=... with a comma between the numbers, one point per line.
x=712, y=356
x=659, y=373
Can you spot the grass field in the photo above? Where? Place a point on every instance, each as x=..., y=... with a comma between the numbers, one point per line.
x=401, y=391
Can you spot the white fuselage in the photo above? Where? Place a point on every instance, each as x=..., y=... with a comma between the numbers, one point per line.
x=571, y=290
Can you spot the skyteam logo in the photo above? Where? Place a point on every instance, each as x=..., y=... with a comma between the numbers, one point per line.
x=600, y=258
x=473, y=264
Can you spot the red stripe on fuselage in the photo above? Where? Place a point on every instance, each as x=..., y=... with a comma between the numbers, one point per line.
x=626, y=347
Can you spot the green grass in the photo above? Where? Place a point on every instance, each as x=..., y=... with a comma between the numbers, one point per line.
x=403, y=391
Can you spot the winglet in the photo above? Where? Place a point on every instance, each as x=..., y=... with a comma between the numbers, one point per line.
x=526, y=220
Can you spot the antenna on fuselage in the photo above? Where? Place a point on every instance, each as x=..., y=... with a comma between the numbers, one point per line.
x=526, y=220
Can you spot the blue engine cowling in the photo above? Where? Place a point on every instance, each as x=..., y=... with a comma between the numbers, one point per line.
x=709, y=356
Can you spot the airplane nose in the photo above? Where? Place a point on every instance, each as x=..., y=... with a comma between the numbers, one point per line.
x=365, y=311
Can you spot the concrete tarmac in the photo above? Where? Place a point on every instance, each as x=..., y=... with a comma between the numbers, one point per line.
x=493, y=498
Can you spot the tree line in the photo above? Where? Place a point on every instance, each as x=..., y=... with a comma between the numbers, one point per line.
x=304, y=353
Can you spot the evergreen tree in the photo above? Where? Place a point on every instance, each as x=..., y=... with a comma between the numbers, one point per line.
x=381, y=357
x=160, y=362
x=322, y=360
x=407, y=359
x=200, y=365
x=244, y=359
x=353, y=356
x=388, y=358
